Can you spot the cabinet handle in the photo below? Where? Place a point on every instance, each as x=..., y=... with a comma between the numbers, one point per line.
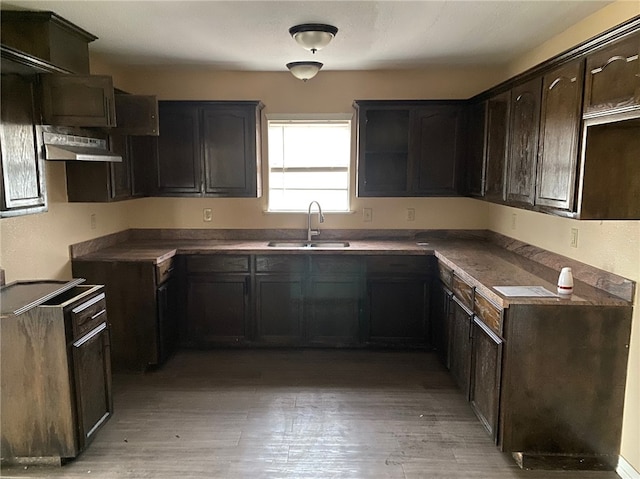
x=91, y=302
x=90, y=335
x=100, y=313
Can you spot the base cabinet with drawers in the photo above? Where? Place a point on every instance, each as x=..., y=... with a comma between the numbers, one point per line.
x=56, y=360
x=550, y=396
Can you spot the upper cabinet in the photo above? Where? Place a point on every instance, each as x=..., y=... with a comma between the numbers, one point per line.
x=495, y=150
x=559, y=136
x=77, y=100
x=409, y=148
x=209, y=149
x=523, y=142
x=23, y=189
x=137, y=114
x=476, y=166
x=613, y=78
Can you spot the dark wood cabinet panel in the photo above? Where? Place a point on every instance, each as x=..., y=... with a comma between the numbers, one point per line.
x=23, y=187
x=523, y=142
x=437, y=154
x=209, y=149
x=77, y=100
x=460, y=345
x=559, y=136
x=279, y=301
x=439, y=319
x=178, y=163
x=496, y=148
x=486, y=370
x=613, y=78
x=137, y=114
x=217, y=309
x=475, y=149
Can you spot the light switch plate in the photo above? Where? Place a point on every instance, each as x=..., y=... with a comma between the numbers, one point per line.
x=367, y=215
x=207, y=214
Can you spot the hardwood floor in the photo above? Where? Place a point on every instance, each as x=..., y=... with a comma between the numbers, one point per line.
x=293, y=414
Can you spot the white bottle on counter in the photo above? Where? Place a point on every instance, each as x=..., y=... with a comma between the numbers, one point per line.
x=565, y=282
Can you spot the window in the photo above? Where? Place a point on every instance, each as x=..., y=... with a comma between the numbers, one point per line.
x=309, y=160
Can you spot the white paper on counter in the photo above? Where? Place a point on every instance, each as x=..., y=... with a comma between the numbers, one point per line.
x=527, y=291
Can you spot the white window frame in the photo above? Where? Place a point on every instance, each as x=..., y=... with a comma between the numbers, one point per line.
x=319, y=118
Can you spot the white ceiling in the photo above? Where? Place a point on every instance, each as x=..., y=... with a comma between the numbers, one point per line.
x=253, y=35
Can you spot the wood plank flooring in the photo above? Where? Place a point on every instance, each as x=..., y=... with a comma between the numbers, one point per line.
x=293, y=414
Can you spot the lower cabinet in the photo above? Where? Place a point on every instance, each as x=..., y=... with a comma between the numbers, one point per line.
x=460, y=344
x=439, y=307
x=142, y=303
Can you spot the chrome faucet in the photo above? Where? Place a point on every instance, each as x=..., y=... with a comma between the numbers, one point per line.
x=310, y=232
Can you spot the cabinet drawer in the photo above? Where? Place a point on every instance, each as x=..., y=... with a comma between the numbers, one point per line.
x=164, y=271
x=398, y=264
x=281, y=264
x=88, y=314
x=462, y=291
x=218, y=263
x=489, y=313
x=446, y=274
x=335, y=264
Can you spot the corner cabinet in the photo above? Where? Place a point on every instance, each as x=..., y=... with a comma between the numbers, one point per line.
x=209, y=149
x=23, y=187
x=409, y=148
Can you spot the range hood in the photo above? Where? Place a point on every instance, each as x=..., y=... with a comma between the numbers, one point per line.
x=64, y=147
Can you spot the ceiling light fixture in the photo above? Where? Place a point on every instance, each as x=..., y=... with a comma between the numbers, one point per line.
x=304, y=70
x=313, y=36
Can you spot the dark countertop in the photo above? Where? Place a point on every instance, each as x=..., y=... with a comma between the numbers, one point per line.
x=480, y=263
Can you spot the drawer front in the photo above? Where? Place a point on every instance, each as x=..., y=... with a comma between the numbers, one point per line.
x=446, y=274
x=488, y=312
x=218, y=264
x=164, y=271
x=281, y=263
x=462, y=291
x=398, y=264
x=88, y=314
x=335, y=264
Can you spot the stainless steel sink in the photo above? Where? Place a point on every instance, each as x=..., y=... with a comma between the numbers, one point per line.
x=308, y=244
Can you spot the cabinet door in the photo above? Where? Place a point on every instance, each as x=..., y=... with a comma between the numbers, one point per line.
x=398, y=310
x=439, y=306
x=143, y=155
x=559, y=135
x=167, y=297
x=383, y=152
x=217, y=309
x=476, y=174
x=229, y=149
x=496, y=147
x=279, y=309
x=23, y=187
x=460, y=345
x=178, y=161
x=92, y=370
x=436, y=150
x=120, y=173
x=486, y=369
x=332, y=311
x=523, y=142
x=78, y=100
x=137, y=114
x=613, y=78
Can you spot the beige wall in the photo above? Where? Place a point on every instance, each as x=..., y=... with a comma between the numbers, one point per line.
x=36, y=246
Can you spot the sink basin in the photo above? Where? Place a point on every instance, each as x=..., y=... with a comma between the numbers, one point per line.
x=308, y=244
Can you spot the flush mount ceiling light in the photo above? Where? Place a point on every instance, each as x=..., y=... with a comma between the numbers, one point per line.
x=313, y=36
x=304, y=70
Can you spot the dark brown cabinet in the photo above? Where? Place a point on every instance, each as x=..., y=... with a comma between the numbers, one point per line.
x=218, y=300
x=460, y=344
x=409, y=148
x=77, y=100
x=475, y=151
x=397, y=310
x=557, y=164
x=523, y=142
x=613, y=78
x=137, y=115
x=67, y=386
x=22, y=189
x=209, y=149
x=496, y=148
x=142, y=303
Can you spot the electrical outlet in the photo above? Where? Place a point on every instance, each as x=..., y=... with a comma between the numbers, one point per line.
x=574, y=238
x=411, y=214
x=207, y=214
x=514, y=218
x=94, y=221
x=367, y=215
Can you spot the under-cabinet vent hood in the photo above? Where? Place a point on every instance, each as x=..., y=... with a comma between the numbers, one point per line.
x=58, y=146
